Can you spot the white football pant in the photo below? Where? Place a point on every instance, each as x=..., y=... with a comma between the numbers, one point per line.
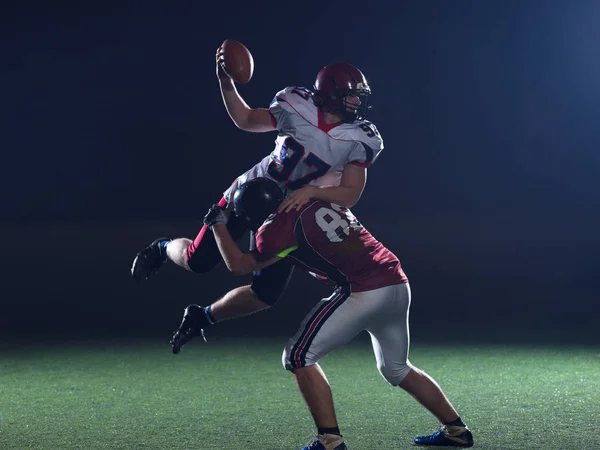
x=336, y=320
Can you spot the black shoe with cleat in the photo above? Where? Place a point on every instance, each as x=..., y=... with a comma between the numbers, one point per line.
x=193, y=324
x=148, y=261
x=447, y=436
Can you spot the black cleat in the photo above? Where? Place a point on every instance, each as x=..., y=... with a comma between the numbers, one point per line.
x=148, y=261
x=192, y=325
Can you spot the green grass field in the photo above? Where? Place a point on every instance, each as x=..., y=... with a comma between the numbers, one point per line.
x=234, y=394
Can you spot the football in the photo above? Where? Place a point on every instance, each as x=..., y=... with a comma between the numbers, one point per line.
x=238, y=62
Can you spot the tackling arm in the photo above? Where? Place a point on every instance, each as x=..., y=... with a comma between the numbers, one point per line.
x=350, y=189
x=238, y=262
x=346, y=194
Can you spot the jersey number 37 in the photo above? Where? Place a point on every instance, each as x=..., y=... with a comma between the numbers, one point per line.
x=294, y=155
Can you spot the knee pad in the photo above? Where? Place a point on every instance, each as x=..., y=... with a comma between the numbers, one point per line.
x=200, y=265
x=269, y=283
x=202, y=255
x=394, y=374
x=267, y=292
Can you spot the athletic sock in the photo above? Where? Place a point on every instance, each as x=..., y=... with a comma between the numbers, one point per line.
x=209, y=316
x=162, y=246
x=456, y=423
x=334, y=430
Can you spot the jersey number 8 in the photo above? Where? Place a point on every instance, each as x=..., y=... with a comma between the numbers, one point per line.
x=336, y=222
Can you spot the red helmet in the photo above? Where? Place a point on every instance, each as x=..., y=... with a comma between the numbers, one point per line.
x=337, y=81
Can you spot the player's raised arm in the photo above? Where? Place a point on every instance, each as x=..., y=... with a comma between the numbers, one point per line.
x=248, y=119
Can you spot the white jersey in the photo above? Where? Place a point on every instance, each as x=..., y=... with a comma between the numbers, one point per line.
x=308, y=150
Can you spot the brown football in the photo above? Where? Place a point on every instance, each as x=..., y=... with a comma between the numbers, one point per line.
x=238, y=62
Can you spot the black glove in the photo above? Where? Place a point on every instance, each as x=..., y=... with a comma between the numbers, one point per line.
x=216, y=215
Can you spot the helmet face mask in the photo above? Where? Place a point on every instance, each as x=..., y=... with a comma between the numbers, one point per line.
x=353, y=111
x=335, y=83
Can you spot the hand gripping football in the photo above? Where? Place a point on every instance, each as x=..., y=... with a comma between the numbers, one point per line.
x=237, y=62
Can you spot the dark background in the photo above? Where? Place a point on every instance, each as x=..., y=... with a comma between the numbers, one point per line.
x=112, y=132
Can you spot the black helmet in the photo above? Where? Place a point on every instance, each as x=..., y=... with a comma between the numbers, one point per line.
x=257, y=199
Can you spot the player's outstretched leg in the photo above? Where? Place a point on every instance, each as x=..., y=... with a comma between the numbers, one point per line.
x=150, y=259
x=200, y=255
x=315, y=390
x=238, y=302
x=453, y=432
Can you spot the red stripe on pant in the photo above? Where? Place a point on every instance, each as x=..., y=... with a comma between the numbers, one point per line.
x=296, y=357
x=194, y=245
